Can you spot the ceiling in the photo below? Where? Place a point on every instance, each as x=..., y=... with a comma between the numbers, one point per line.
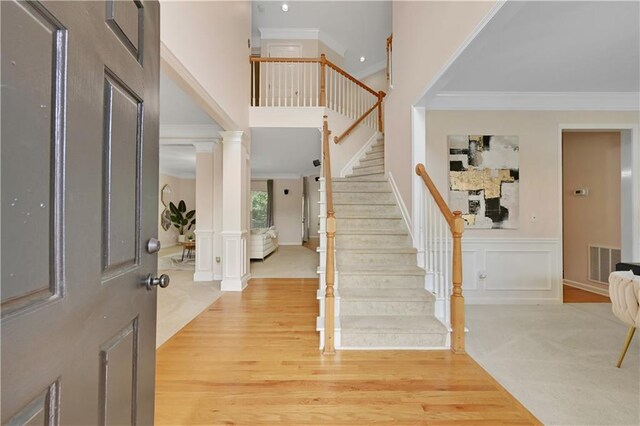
x=284, y=152
x=568, y=46
x=182, y=115
x=362, y=27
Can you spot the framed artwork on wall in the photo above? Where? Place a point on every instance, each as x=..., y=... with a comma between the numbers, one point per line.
x=484, y=180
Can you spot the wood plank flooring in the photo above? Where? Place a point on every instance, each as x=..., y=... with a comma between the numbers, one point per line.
x=576, y=295
x=252, y=358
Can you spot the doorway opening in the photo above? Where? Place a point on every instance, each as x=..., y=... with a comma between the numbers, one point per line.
x=597, y=209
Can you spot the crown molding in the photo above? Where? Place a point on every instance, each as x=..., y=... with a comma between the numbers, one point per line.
x=302, y=34
x=190, y=175
x=265, y=176
x=179, y=133
x=570, y=101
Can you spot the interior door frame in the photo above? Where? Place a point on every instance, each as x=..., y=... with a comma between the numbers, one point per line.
x=630, y=247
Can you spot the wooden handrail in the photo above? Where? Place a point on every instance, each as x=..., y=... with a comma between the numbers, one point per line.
x=456, y=226
x=352, y=78
x=442, y=205
x=351, y=128
x=329, y=294
x=319, y=60
x=301, y=60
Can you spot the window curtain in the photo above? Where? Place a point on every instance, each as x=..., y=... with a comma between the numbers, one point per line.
x=270, y=203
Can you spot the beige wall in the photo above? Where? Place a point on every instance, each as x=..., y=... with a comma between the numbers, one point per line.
x=287, y=209
x=182, y=189
x=377, y=81
x=210, y=39
x=590, y=160
x=538, y=133
x=425, y=36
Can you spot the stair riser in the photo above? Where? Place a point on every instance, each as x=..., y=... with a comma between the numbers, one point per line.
x=372, y=176
x=374, y=162
x=396, y=340
x=357, y=307
x=373, y=155
x=347, y=223
x=369, y=169
x=360, y=186
x=351, y=241
x=364, y=197
x=351, y=258
x=365, y=209
x=381, y=281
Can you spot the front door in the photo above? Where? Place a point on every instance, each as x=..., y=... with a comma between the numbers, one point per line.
x=79, y=185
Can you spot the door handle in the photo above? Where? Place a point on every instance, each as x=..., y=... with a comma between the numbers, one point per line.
x=153, y=245
x=163, y=281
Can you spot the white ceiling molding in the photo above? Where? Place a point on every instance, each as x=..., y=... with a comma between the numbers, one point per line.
x=302, y=34
x=187, y=134
x=370, y=70
x=265, y=176
x=559, y=101
x=206, y=147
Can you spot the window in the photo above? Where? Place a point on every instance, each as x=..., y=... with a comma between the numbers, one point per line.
x=259, y=209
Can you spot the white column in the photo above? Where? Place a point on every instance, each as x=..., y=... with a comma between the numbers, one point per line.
x=217, y=212
x=235, y=214
x=205, y=158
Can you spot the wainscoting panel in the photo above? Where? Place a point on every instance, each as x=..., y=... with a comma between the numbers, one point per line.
x=511, y=270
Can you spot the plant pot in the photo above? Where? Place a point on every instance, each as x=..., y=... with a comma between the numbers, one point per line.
x=182, y=238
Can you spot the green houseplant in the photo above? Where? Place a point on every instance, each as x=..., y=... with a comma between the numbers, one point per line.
x=182, y=219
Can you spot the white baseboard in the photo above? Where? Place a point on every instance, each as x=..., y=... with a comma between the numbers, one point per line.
x=587, y=287
x=403, y=208
x=203, y=276
x=348, y=168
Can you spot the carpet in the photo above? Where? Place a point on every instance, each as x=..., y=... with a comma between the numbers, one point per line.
x=559, y=360
x=287, y=262
x=181, y=302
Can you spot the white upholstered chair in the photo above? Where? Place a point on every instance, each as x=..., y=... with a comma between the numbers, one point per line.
x=624, y=290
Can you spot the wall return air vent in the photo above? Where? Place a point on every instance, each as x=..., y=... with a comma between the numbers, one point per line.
x=602, y=261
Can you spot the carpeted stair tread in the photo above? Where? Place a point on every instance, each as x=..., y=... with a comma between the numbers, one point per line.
x=381, y=270
x=392, y=324
x=387, y=295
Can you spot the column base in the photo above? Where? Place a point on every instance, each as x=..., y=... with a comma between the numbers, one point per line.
x=234, y=284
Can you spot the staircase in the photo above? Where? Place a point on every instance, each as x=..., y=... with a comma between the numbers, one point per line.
x=383, y=303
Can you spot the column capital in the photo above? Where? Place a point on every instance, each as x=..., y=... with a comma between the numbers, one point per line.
x=206, y=145
x=231, y=136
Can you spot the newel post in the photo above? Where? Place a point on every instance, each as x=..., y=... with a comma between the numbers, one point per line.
x=457, y=300
x=323, y=89
x=329, y=293
x=381, y=95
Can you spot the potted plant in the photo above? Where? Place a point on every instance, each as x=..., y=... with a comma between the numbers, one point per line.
x=182, y=219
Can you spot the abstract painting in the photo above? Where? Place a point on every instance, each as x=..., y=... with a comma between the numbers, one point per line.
x=484, y=180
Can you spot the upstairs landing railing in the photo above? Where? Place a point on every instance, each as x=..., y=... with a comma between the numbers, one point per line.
x=315, y=82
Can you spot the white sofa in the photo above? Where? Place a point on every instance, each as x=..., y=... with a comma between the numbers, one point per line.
x=624, y=290
x=263, y=242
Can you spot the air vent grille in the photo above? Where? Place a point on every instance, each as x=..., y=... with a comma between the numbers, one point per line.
x=602, y=261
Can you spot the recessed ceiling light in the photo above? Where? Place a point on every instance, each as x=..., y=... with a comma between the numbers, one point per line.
x=362, y=59
x=285, y=7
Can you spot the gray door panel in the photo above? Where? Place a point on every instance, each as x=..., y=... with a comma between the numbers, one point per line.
x=79, y=201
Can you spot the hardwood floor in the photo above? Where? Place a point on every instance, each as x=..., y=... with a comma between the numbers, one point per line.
x=312, y=244
x=252, y=358
x=576, y=295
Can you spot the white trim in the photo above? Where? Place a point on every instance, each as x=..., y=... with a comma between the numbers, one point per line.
x=302, y=34
x=423, y=99
x=510, y=240
x=552, y=101
x=371, y=69
x=205, y=147
x=348, y=168
x=403, y=207
x=418, y=155
x=266, y=176
x=586, y=287
x=635, y=202
x=188, y=133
